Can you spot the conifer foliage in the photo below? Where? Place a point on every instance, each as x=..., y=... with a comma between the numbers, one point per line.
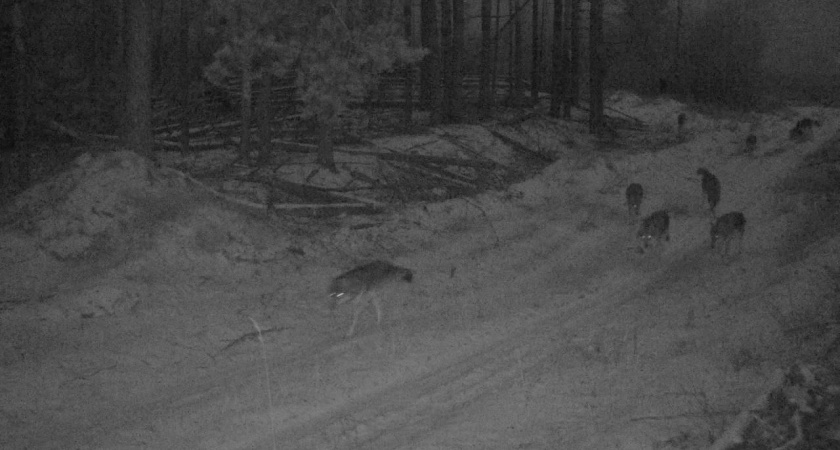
x=335, y=55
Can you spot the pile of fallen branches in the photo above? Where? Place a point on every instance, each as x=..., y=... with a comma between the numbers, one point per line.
x=400, y=177
x=405, y=177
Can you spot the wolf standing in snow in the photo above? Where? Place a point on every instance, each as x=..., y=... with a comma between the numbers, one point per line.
x=728, y=227
x=711, y=188
x=634, y=195
x=363, y=285
x=655, y=226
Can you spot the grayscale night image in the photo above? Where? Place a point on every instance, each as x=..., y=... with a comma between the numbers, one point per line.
x=420, y=224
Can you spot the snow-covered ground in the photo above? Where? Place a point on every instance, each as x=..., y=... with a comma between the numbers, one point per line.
x=139, y=311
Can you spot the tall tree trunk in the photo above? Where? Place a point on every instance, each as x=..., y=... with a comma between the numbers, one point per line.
x=100, y=41
x=566, y=50
x=447, y=59
x=138, y=105
x=677, y=48
x=14, y=175
x=557, y=60
x=496, y=43
x=430, y=68
x=23, y=95
x=184, y=74
x=408, y=69
x=159, y=69
x=457, y=57
x=535, y=51
x=573, y=90
x=517, y=95
x=597, y=68
x=485, y=91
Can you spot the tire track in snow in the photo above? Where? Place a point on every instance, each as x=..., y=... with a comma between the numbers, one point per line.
x=400, y=415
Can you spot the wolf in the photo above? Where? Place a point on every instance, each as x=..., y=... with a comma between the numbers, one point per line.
x=711, y=188
x=362, y=285
x=634, y=195
x=727, y=227
x=804, y=130
x=752, y=144
x=681, y=119
x=655, y=226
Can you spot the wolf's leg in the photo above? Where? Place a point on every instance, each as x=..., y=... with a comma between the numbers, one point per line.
x=358, y=304
x=377, y=304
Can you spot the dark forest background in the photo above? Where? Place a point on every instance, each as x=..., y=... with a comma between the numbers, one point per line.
x=157, y=75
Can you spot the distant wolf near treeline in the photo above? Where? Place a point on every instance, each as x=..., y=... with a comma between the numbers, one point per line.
x=804, y=130
x=752, y=144
x=633, y=196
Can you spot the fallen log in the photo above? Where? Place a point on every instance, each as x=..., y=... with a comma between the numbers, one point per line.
x=442, y=160
x=319, y=205
x=521, y=148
